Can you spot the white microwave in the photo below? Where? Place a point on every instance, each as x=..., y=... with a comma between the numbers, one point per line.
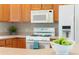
x=42, y=16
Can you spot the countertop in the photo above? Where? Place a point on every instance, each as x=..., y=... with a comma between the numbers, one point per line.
x=50, y=51
x=12, y=36
x=18, y=36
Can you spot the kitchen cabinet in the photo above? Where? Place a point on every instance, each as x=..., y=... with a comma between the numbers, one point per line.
x=10, y=12
x=21, y=43
x=2, y=43
x=13, y=43
x=56, y=13
x=8, y=42
x=36, y=6
x=6, y=12
x=41, y=6
x=26, y=12
x=47, y=6
x=1, y=15
x=15, y=12
x=22, y=12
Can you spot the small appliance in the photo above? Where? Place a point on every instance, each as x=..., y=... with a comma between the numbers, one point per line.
x=42, y=16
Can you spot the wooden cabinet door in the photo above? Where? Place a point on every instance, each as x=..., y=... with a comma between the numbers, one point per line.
x=2, y=43
x=21, y=43
x=1, y=14
x=6, y=12
x=15, y=43
x=26, y=12
x=56, y=13
x=47, y=6
x=15, y=13
x=8, y=42
x=36, y=7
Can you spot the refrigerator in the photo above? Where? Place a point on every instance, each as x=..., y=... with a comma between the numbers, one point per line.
x=69, y=22
x=76, y=11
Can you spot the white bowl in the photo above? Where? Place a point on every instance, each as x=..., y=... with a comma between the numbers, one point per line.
x=61, y=49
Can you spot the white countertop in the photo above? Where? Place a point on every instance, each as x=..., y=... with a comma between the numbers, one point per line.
x=18, y=36
x=12, y=36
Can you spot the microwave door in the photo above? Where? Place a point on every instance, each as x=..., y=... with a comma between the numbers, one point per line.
x=39, y=18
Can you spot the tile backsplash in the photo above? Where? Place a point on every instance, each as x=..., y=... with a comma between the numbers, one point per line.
x=23, y=28
x=27, y=28
x=4, y=28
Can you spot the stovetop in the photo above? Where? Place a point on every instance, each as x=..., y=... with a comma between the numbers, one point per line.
x=42, y=35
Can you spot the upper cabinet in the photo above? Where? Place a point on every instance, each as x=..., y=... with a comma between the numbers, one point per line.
x=1, y=15
x=56, y=13
x=41, y=6
x=4, y=12
x=47, y=6
x=22, y=12
x=26, y=12
x=36, y=7
x=15, y=13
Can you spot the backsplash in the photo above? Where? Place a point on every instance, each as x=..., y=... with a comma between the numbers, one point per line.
x=27, y=28
x=23, y=28
x=4, y=28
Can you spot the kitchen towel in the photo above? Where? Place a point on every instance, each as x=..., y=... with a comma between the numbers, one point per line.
x=36, y=44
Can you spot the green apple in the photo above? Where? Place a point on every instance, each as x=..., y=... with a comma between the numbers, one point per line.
x=62, y=41
x=56, y=41
x=65, y=42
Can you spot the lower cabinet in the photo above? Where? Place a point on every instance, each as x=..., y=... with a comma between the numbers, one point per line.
x=21, y=43
x=2, y=43
x=8, y=43
x=13, y=43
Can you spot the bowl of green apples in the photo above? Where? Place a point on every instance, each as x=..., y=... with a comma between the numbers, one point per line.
x=62, y=46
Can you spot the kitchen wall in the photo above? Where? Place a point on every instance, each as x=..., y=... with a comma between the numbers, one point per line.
x=23, y=28
x=27, y=28
x=4, y=28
